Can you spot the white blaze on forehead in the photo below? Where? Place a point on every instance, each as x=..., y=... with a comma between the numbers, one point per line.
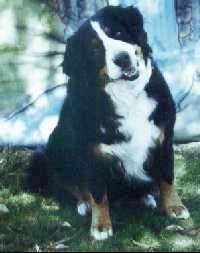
x=107, y=41
x=112, y=49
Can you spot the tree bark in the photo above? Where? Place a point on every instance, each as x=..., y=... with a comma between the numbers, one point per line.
x=74, y=12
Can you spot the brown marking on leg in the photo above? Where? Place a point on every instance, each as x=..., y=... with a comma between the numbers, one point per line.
x=101, y=227
x=171, y=202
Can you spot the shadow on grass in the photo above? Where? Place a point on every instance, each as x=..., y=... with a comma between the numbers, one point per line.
x=33, y=220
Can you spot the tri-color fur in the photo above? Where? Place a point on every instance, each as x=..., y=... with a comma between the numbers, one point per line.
x=115, y=131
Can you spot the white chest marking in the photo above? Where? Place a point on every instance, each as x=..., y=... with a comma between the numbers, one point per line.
x=135, y=110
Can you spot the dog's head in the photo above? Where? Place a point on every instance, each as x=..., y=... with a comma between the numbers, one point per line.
x=111, y=45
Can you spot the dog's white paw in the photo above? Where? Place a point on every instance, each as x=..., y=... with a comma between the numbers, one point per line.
x=150, y=201
x=180, y=212
x=83, y=208
x=101, y=235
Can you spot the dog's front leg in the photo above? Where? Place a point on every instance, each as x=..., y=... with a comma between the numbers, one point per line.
x=101, y=227
x=171, y=203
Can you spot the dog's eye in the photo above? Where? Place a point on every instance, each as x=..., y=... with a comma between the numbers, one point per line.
x=117, y=35
x=107, y=30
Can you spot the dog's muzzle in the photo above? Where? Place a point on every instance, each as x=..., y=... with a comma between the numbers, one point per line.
x=129, y=72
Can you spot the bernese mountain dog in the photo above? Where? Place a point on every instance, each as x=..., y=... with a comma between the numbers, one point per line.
x=114, y=137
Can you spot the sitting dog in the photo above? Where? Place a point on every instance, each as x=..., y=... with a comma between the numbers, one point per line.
x=115, y=131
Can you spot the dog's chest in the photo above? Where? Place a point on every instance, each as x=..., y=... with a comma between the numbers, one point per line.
x=135, y=124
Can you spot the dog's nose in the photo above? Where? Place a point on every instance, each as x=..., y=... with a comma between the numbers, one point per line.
x=123, y=60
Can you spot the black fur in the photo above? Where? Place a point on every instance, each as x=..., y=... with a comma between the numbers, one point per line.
x=69, y=158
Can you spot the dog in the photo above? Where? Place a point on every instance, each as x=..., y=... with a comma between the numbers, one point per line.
x=114, y=137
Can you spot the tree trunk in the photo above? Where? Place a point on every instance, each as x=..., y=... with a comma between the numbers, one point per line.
x=74, y=12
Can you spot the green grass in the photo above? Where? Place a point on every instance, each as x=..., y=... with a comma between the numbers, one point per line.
x=34, y=222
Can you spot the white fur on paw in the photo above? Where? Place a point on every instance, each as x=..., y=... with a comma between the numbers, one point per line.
x=101, y=235
x=83, y=208
x=150, y=201
x=183, y=215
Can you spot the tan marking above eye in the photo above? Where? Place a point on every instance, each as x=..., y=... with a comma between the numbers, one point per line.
x=138, y=51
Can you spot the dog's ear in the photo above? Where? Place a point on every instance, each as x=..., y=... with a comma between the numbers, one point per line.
x=72, y=56
x=143, y=42
x=134, y=17
x=129, y=17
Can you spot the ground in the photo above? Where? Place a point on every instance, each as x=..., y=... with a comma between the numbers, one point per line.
x=34, y=223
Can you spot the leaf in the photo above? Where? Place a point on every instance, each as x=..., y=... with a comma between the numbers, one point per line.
x=37, y=248
x=66, y=224
x=3, y=209
x=61, y=247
